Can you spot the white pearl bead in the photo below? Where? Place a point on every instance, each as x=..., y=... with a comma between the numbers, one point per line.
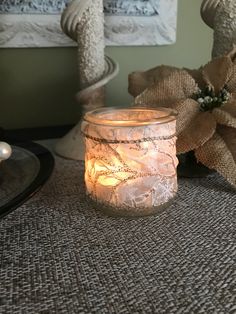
x=5, y=151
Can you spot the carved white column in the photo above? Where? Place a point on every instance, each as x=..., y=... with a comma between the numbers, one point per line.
x=220, y=15
x=83, y=21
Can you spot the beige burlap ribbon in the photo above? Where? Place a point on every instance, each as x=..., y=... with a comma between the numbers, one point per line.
x=206, y=103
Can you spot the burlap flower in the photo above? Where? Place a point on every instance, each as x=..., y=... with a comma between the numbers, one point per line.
x=206, y=103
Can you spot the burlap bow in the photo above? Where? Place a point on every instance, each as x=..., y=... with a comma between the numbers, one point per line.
x=206, y=103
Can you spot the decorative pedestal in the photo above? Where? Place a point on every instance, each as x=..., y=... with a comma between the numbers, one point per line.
x=83, y=21
x=220, y=16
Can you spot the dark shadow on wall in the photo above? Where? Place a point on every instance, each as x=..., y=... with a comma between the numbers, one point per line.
x=38, y=87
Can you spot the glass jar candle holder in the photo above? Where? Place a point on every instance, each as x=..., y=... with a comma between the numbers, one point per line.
x=130, y=159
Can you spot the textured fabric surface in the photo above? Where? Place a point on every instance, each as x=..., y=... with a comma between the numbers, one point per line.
x=60, y=255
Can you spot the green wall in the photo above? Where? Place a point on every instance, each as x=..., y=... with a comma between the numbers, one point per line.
x=37, y=86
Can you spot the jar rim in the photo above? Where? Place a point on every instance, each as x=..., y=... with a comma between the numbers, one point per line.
x=98, y=116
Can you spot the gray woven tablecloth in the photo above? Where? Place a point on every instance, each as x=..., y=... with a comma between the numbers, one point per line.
x=59, y=255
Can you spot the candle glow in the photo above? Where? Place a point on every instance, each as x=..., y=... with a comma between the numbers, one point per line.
x=130, y=159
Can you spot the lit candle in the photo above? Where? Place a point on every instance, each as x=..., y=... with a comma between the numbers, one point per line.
x=130, y=159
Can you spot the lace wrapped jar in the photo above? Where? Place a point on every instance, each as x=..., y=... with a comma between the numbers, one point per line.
x=130, y=159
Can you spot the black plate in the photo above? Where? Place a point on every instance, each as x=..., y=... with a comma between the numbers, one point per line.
x=23, y=174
